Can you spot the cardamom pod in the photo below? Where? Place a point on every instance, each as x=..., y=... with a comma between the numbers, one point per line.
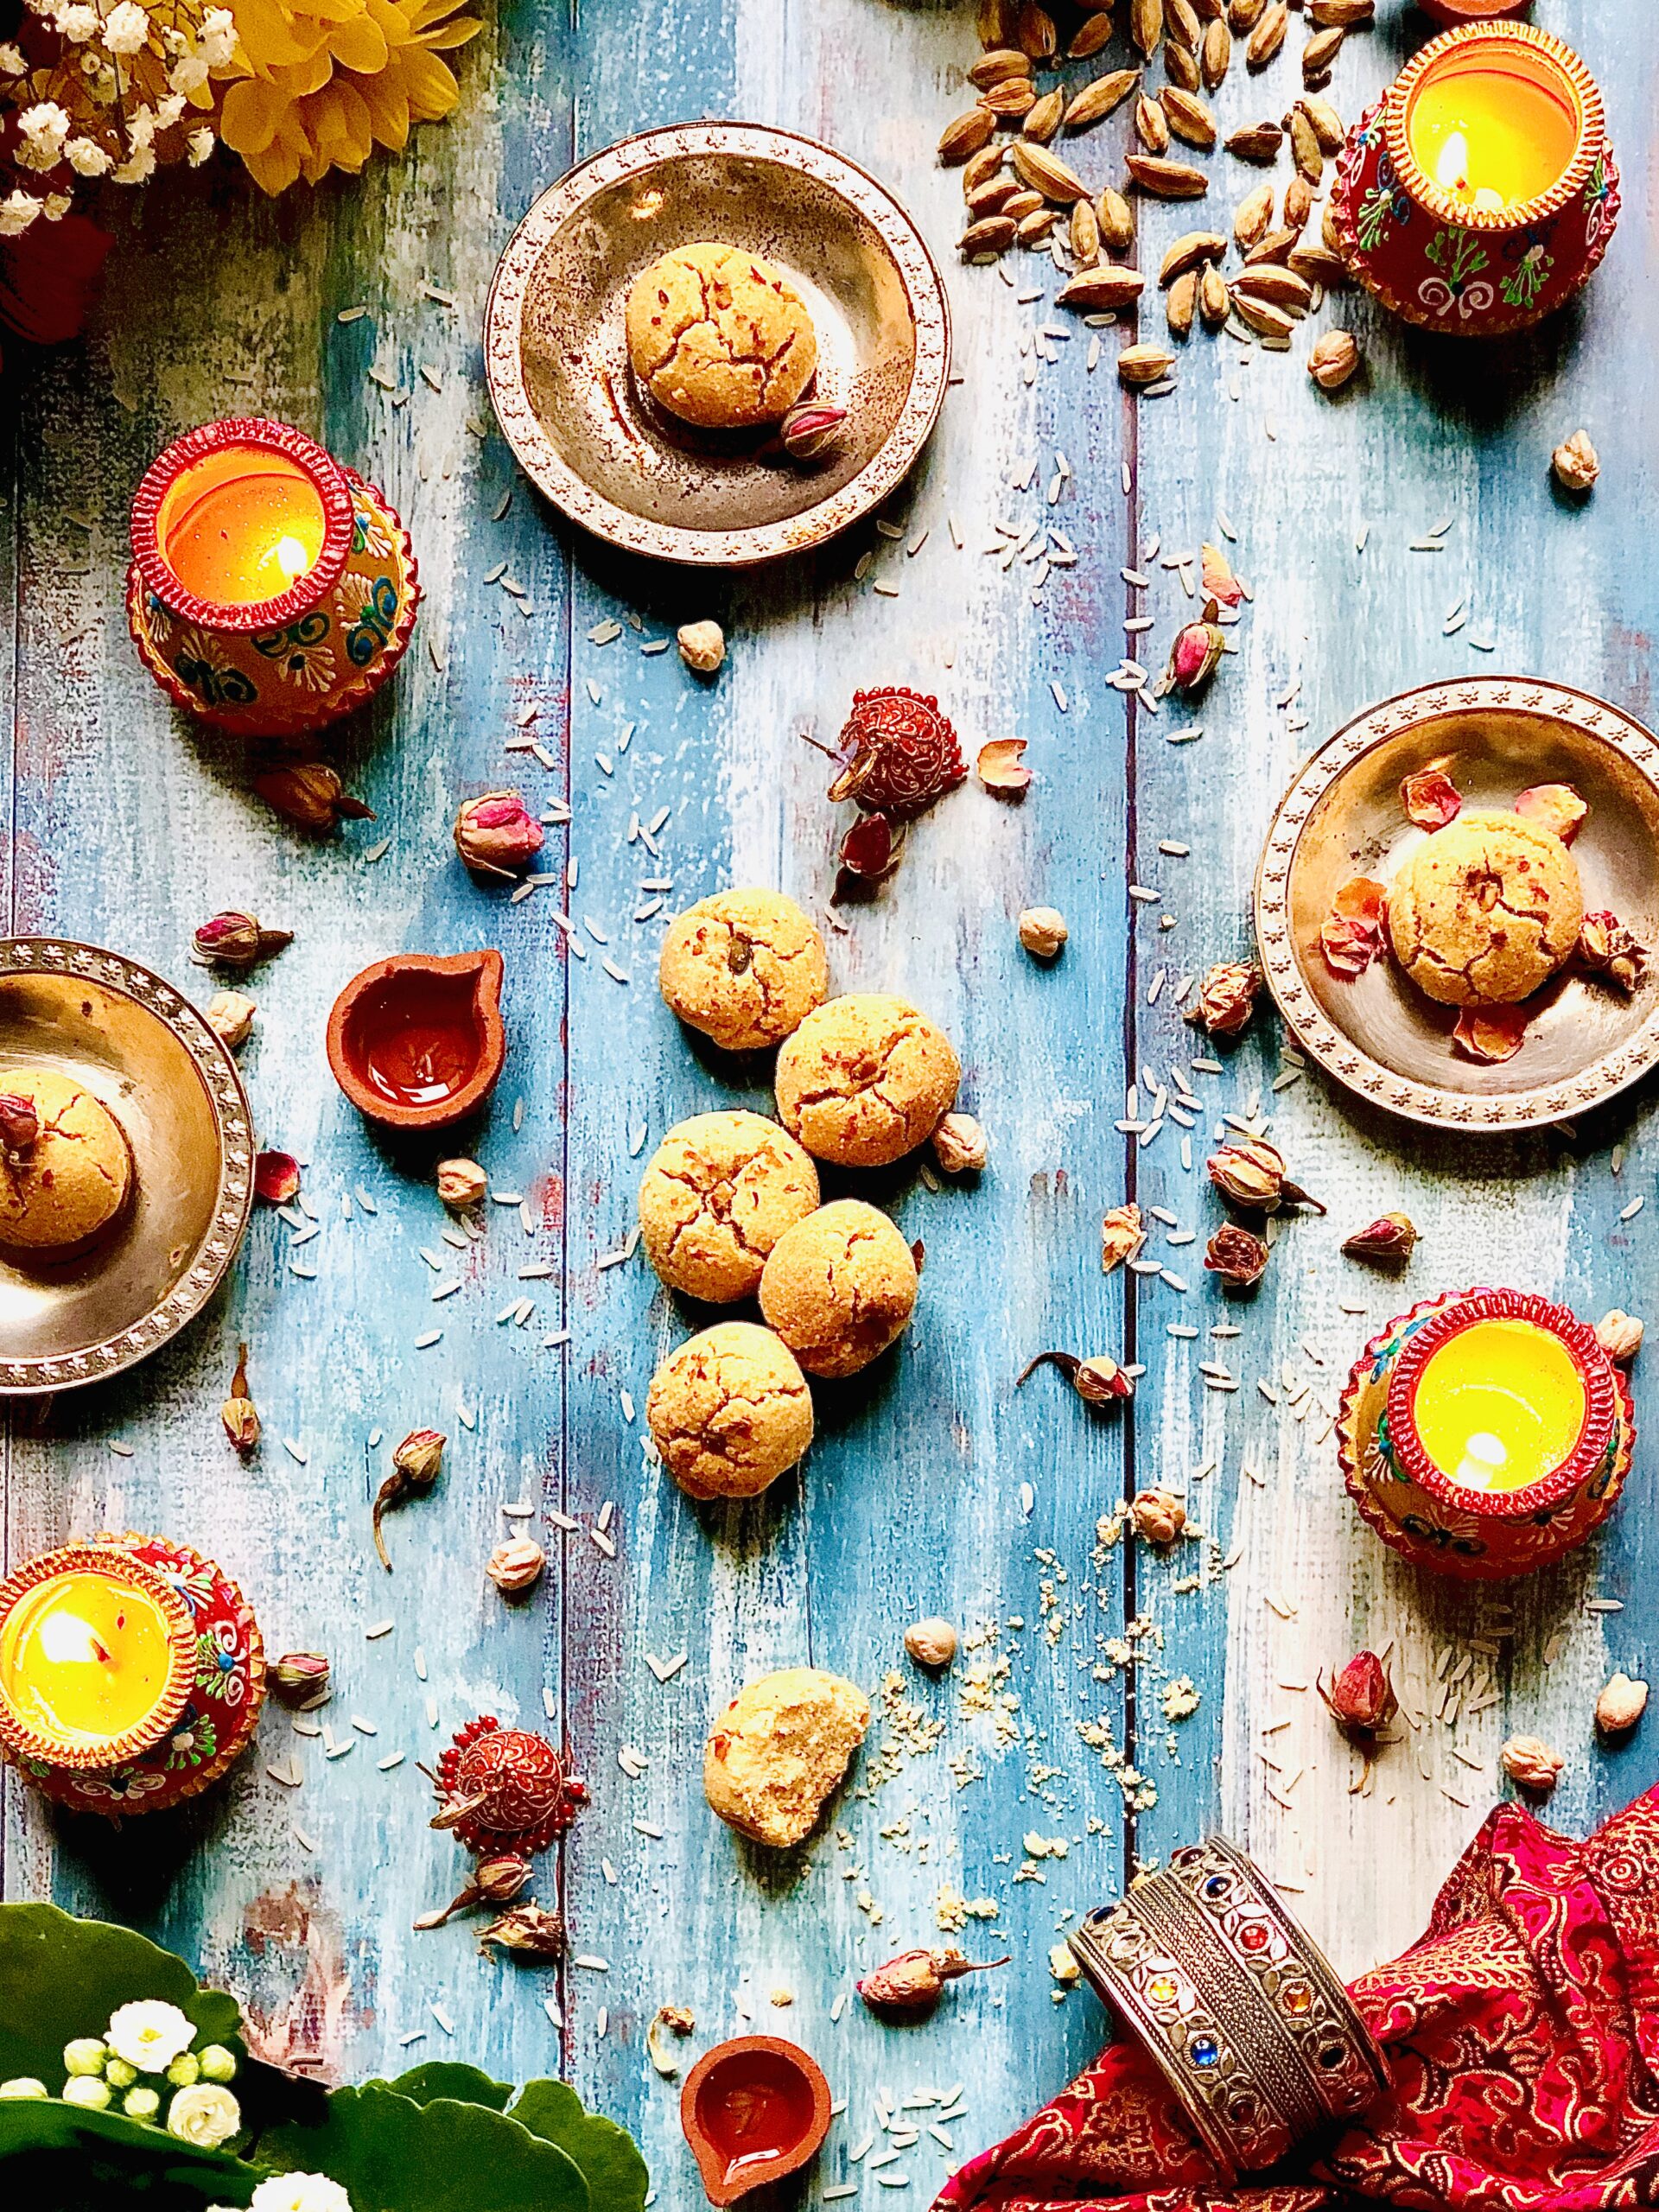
x=1189, y=251
x=1151, y=125
x=1008, y=101
x=1256, y=141
x=993, y=22
x=1327, y=124
x=1327, y=15
x=1274, y=247
x=1144, y=364
x=1116, y=221
x=1268, y=36
x=1101, y=291
x=991, y=199
x=993, y=68
x=1034, y=33
x=982, y=168
x=1269, y=281
x=992, y=234
x=1084, y=233
x=1244, y=14
x=1215, y=54
x=1166, y=179
x=1100, y=97
x=965, y=135
x=1189, y=118
x=1304, y=148
x=1181, y=23
x=1317, y=264
x=1215, y=300
x=1299, y=203
x=1044, y=119
x=1035, y=228
x=1182, y=304
x=1091, y=34
x=1251, y=217
x=1147, y=25
x=1047, y=173
x=1021, y=204
x=1181, y=68
x=1320, y=52
x=1266, y=319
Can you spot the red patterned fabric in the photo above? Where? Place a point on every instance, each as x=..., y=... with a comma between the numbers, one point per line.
x=1522, y=2032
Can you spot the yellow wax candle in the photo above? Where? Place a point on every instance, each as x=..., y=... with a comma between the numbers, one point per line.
x=1499, y=1405
x=84, y=1658
x=241, y=525
x=1494, y=126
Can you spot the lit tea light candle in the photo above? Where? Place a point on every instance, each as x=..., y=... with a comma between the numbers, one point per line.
x=1500, y=1405
x=242, y=524
x=96, y=1658
x=1494, y=124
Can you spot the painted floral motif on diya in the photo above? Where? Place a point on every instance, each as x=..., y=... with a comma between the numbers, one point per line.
x=504, y=1789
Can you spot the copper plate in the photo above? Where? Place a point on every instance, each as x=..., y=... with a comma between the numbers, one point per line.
x=1342, y=816
x=556, y=357
x=151, y=1057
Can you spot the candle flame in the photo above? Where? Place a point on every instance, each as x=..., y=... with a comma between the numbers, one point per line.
x=1451, y=174
x=291, y=557
x=66, y=1640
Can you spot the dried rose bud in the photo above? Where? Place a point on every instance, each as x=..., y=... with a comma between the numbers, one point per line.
x=1226, y=996
x=914, y=1981
x=497, y=835
x=999, y=767
x=1216, y=580
x=528, y=1931
x=810, y=429
x=230, y=1016
x=1333, y=359
x=1043, y=932
x=702, y=646
x=959, y=1145
x=516, y=1566
x=310, y=794
x=1159, y=1516
x=238, y=1413
x=299, y=1678
x=1621, y=1704
x=1389, y=1240
x=234, y=939
x=1576, y=463
x=20, y=1123
x=932, y=1643
x=1362, y=1698
x=1121, y=1237
x=496, y=1880
x=1239, y=1258
x=1619, y=1335
x=1529, y=1761
x=416, y=1465
x=461, y=1182
x=275, y=1177
x=1197, y=650
x=869, y=847
x=1555, y=807
x=1251, y=1173
x=1607, y=948
x=1097, y=1382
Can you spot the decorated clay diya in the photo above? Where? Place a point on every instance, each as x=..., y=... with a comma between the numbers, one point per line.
x=504, y=1789
x=1479, y=193
x=1485, y=1432
x=271, y=590
x=131, y=1674
x=416, y=1041
x=753, y=2110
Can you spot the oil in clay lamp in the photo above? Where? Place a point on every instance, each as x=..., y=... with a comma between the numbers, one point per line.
x=1479, y=193
x=416, y=1041
x=1485, y=1433
x=1453, y=12
x=753, y=2110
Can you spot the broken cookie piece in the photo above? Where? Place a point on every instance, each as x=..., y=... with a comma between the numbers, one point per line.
x=780, y=1749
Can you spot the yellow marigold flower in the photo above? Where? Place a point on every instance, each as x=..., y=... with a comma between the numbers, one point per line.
x=318, y=84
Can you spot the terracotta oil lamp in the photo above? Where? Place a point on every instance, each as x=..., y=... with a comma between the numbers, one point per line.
x=753, y=2110
x=1485, y=1432
x=415, y=1041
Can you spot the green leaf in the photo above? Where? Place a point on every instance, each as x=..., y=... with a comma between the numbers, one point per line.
x=69, y=2148
x=60, y=1977
x=390, y=2154
x=617, y=2176
x=444, y=2078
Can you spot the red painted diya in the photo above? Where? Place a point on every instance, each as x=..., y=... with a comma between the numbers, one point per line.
x=504, y=1789
x=753, y=2110
x=897, y=753
x=416, y=1041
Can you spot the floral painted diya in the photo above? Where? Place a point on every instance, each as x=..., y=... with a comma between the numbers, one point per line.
x=271, y=590
x=1478, y=194
x=131, y=1674
x=753, y=2110
x=1485, y=1432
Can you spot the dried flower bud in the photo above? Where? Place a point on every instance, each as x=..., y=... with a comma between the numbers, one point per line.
x=702, y=646
x=1621, y=1704
x=668, y=2021
x=1619, y=1335
x=1529, y=1761
x=1251, y=1173
x=1607, y=948
x=1333, y=360
x=275, y=1177
x=238, y=1413
x=1389, y=1240
x=461, y=1182
x=1361, y=1698
x=914, y=1981
x=416, y=1465
x=1226, y=996
x=20, y=1123
x=528, y=1931
x=1043, y=932
x=1159, y=1516
x=501, y=1876
x=1239, y=1258
x=1576, y=463
x=1121, y=1237
x=230, y=1016
x=959, y=1145
x=932, y=1643
x=1097, y=1382
x=1197, y=650
x=234, y=939
x=809, y=430
x=496, y=835
x=299, y=1678
x=516, y=1566
x=310, y=794
x=869, y=847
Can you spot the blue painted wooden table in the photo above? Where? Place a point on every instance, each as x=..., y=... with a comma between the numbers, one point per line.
x=1032, y=1779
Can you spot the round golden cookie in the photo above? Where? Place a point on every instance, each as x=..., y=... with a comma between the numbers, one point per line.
x=730, y=1411
x=745, y=967
x=62, y=1193
x=840, y=1287
x=865, y=1079
x=1486, y=910
x=719, y=1192
x=720, y=338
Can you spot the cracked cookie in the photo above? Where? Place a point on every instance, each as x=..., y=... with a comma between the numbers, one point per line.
x=730, y=1411
x=720, y=338
x=745, y=967
x=1486, y=910
x=865, y=1079
x=64, y=1191
x=840, y=1287
x=779, y=1750
x=719, y=1192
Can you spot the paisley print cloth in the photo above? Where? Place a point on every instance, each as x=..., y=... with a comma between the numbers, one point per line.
x=1522, y=2031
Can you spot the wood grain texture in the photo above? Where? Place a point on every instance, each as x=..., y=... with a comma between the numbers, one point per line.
x=125, y=826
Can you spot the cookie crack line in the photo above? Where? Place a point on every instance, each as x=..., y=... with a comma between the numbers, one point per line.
x=734, y=359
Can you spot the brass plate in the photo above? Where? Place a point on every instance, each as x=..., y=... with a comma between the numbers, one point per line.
x=151, y=1057
x=555, y=353
x=1342, y=816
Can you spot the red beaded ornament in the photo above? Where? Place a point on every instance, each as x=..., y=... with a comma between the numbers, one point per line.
x=505, y=1789
x=897, y=753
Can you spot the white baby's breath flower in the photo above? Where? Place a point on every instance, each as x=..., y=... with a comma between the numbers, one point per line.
x=168, y=108
x=57, y=205
x=204, y=2115
x=12, y=63
x=201, y=143
x=299, y=2193
x=188, y=73
x=149, y=2035
x=87, y=158
x=76, y=23
x=126, y=27
x=42, y=129
x=17, y=211
x=216, y=42
x=138, y=166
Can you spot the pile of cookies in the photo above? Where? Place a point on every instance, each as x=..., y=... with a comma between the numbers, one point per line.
x=729, y=1204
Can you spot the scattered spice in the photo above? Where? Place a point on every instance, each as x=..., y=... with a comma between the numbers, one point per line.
x=1159, y=1516
x=1557, y=807
x=1226, y=997
x=416, y=1465
x=1239, y=1258
x=310, y=794
x=1606, y=948
x=300, y=1678
x=809, y=430
x=238, y=1413
x=1043, y=932
x=1251, y=1173
x=1122, y=1236
x=230, y=1016
x=516, y=1566
x=1493, y=1033
x=1361, y=1698
x=234, y=939
x=1621, y=1704
x=1389, y=1240
x=461, y=1183
x=1001, y=768
x=275, y=1177
x=1529, y=1761
x=1097, y=1382
x=1576, y=463
x=932, y=1643
x=1430, y=799
x=959, y=1145
x=497, y=835
x=914, y=1981
x=702, y=646
x=1619, y=1335
x=528, y=1932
